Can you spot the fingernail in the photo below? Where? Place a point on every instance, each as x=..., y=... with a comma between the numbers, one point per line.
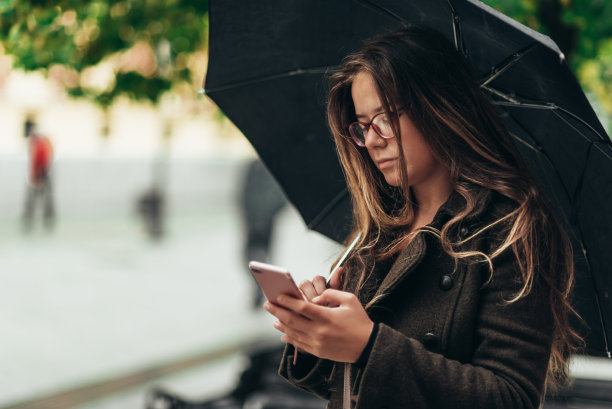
x=276, y=324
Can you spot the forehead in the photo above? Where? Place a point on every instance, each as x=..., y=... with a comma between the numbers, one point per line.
x=365, y=94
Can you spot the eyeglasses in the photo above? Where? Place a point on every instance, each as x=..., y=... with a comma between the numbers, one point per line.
x=382, y=123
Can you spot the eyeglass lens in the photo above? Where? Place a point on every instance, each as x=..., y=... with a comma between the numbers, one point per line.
x=381, y=123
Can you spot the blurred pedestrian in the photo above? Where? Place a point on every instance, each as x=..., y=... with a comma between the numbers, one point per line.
x=151, y=204
x=261, y=199
x=151, y=207
x=457, y=295
x=39, y=189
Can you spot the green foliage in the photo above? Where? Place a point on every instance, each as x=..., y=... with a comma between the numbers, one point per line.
x=40, y=34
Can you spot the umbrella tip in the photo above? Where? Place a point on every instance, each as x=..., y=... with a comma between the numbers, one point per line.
x=561, y=57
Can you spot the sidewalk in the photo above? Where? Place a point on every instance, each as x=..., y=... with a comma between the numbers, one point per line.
x=96, y=300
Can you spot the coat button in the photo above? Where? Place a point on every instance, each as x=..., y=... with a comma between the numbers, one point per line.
x=431, y=341
x=446, y=282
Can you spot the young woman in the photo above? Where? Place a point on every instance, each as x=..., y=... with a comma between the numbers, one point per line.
x=457, y=294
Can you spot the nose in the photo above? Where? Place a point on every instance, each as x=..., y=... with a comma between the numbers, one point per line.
x=373, y=139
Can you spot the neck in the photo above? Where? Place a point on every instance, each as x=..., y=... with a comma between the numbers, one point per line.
x=430, y=196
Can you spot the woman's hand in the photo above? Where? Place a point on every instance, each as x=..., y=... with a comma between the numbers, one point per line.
x=318, y=285
x=339, y=333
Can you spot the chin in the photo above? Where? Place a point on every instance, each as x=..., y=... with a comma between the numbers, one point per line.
x=392, y=180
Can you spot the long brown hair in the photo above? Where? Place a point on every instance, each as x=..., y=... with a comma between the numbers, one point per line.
x=419, y=71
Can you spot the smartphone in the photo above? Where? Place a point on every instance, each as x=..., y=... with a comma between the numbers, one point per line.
x=274, y=281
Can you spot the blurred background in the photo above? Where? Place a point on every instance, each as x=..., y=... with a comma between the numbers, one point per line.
x=123, y=266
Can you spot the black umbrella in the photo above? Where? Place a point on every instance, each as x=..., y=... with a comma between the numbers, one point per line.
x=268, y=66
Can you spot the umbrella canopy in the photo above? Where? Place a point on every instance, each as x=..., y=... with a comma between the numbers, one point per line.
x=268, y=68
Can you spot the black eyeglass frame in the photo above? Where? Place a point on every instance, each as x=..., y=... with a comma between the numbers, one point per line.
x=368, y=125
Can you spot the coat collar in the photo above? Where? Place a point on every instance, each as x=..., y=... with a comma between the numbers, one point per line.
x=405, y=263
x=411, y=257
x=456, y=203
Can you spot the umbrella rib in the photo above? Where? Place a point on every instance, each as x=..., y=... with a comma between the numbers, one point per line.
x=506, y=64
x=379, y=7
x=541, y=151
x=527, y=144
x=607, y=153
x=328, y=208
x=602, y=139
x=596, y=144
x=299, y=71
x=457, y=37
x=591, y=144
x=512, y=101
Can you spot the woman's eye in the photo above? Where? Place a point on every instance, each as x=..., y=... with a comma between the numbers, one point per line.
x=384, y=120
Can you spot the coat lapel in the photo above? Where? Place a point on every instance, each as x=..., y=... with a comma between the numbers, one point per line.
x=405, y=264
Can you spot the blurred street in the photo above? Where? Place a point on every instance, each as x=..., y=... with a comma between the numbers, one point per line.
x=98, y=309
x=97, y=299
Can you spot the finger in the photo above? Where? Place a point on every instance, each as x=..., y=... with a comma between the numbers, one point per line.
x=290, y=318
x=319, y=284
x=332, y=297
x=272, y=308
x=305, y=309
x=281, y=313
x=301, y=346
x=291, y=332
x=308, y=289
x=335, y=280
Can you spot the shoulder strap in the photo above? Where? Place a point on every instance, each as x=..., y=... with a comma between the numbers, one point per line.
x=346, y=397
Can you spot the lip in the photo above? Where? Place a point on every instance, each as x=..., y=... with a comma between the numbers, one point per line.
x=385, y=163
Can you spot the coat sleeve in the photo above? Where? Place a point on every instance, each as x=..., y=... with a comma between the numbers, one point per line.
x=310, y=373
x=507, y=370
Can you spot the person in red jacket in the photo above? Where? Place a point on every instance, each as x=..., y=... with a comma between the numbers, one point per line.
x=39, y=186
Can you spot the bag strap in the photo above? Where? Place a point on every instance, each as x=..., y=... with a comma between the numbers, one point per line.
x=346, y=396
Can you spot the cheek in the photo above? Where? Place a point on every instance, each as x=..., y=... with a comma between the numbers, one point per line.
x=417, y=155
x=415, y=149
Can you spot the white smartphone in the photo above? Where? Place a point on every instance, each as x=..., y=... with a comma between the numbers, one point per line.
x=274, y=281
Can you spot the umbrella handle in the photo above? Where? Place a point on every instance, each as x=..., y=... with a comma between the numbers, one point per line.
x=343, y=258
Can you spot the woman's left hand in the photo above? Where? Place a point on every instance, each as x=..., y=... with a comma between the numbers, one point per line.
x=339, y=333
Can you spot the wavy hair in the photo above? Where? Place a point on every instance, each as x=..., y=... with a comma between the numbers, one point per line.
x=420, y=71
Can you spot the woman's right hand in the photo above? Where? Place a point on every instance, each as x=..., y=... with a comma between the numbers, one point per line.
x=315, y=288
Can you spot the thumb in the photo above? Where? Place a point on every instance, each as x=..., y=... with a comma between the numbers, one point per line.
x=335, y=280
x=331, y=297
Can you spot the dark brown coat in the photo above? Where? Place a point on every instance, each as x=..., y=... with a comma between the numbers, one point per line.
x=446, y=339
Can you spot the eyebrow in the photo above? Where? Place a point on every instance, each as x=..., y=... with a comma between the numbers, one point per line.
x=376, y=111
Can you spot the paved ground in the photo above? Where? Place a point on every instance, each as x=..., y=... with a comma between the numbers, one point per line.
x=78, y=307
x=96, y=299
